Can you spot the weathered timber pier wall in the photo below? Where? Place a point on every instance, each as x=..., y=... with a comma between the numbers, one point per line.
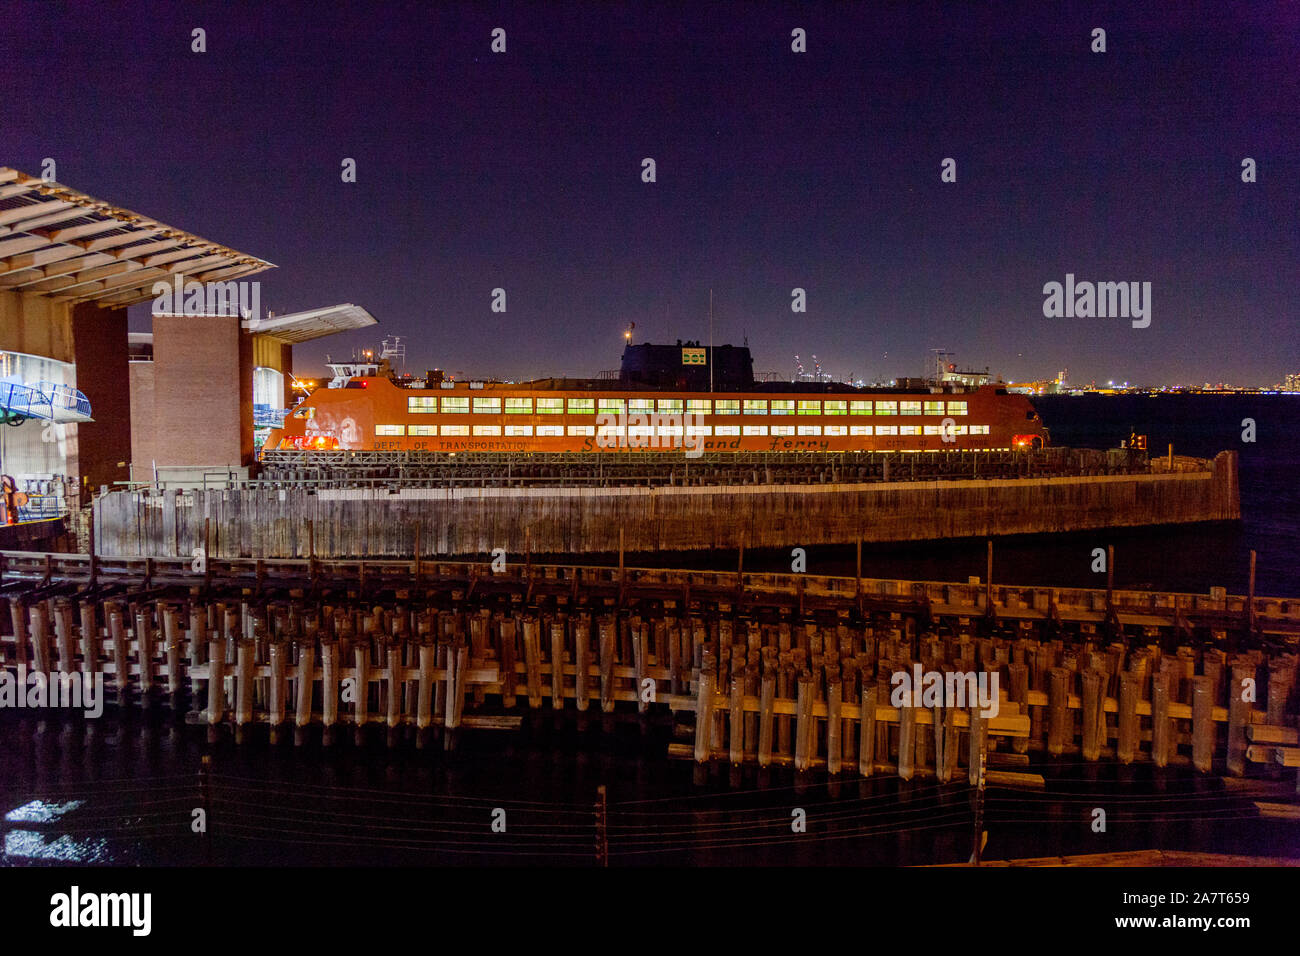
x=775, y=669
x=297, y=522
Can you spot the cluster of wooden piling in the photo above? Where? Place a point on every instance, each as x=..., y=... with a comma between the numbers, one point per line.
x=1086, y=699
x=766, y=685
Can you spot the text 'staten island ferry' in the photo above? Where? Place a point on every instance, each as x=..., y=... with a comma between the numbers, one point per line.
x=664, y=398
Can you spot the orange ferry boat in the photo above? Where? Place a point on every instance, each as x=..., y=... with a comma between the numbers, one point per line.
x=654, y=404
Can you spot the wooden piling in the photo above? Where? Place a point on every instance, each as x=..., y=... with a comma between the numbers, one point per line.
x=834, y=725
x=424, y=700
x=1238, y=716
x=1161, y=731
x=867, y=731
x=1058, y=712
x=329, y=689
x=395, y=683
x=1202, y=724
x=557, y=665
x=704, y=714
x=63, y=635
x=533, y=661
x=906, y=741
x=1093, y=717
x=277, y=653
x=216, y=709
x=608, y=655
x=40, y=637
x=977, y=741
x=144, y=645
x=736, y=718
x=90, y=640
x=121, y=663
x=243, y=686
x=767, y=699
x=171, y=625
x=306, y=682
x=640, y=663
x=805, y=728
x=1129, y=686
x=361, y=672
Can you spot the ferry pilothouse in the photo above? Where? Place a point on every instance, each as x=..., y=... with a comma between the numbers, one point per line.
x=664, y=398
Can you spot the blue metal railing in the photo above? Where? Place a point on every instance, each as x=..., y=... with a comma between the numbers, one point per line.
x=44, y=400
x=264, y=416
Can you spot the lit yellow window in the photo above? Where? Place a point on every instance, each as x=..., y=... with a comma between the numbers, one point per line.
x=670, y=406
x=810, y=429
x=580, y=430
x=782, y=429
x=452, y=430
x=612, y=406
x=390, y=429
x=519, y=431
x=422, y=404
x=956, y=408
x=836, y=430
x=455, y=404
x=909, y=408
x=782, y=406
x=755, y=430
x=582, y=406
x=487, y=406
x=550, y=406
x=550, y=431
x=810, y=408
x=835, y=408
x=756, y=406
x=934, y=408
x=886, y=408
x=421, y=431
x=640, y=406
x=859, y=429
x=859, y=408
x=487, y=429
x=519, y=406
x=699, y=406
x=726, y=406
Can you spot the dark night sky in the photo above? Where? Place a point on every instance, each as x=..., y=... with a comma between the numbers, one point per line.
x=775, y=170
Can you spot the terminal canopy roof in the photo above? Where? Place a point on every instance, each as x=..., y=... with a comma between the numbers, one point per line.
x=300, y=327
x=63, y=244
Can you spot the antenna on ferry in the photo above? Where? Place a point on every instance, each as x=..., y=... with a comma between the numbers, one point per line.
x=710, y=340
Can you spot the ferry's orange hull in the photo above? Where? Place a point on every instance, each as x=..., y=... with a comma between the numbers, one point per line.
x=374, y=414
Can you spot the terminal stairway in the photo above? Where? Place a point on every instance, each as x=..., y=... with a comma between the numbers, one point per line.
x=46, y=401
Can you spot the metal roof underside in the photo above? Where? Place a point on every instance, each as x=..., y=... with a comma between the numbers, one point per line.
x=305, y=326
x=65, y=245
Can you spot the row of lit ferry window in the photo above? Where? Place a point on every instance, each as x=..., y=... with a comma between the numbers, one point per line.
x=634, y=431
x=493, y=405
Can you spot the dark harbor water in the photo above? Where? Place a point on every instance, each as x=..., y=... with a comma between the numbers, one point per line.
x=123, y=790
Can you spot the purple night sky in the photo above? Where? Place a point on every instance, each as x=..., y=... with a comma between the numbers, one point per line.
x=775, y=170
